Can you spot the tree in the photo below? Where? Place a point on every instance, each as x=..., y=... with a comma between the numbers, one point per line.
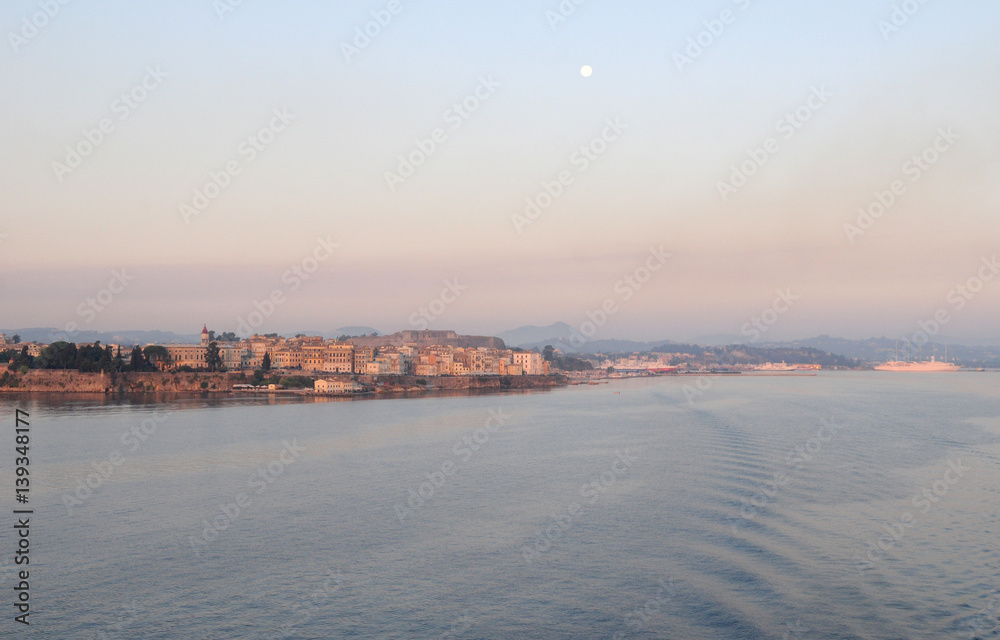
x=258, y=377
x=265, y=364
x=611, y=369
x=211, y=336
x=212, y=358
x=548, y=352
x=59, y=355
x=138, y=362
x=16, y=338
x=117, y=364
x=23, y=361
x=107, y=361
x=156, y=354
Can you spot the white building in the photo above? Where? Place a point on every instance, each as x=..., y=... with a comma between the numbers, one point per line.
x=337, y=386
x=531, y=362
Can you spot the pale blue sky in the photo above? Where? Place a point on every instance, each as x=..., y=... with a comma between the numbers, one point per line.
x=323, y=175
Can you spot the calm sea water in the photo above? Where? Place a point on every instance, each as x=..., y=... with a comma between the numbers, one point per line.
x=846, y=505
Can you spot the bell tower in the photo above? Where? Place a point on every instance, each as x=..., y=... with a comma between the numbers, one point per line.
x=204, y=335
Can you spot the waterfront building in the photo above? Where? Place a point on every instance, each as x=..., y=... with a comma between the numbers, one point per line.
x=362, y=356
x=338, y=357
x=531, y=362
x=234, y=355
x=337, y=386
x=187, y=355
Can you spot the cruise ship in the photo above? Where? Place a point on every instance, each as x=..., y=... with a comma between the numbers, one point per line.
x=931, y=365
x=771, y=366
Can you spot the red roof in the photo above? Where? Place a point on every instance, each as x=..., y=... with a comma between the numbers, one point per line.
x=205, y=329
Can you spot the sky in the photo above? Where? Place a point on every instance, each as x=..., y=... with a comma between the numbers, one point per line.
x=311, y=165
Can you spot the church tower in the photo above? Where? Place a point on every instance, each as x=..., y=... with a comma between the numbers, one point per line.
x=204, y=335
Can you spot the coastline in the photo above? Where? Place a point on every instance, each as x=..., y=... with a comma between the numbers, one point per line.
x=200, y=383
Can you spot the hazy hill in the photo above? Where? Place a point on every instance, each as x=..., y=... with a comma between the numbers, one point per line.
x=530, y=335
x=50, y=334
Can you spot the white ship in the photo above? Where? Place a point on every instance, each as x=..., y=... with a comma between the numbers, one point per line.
x=770, y=366
x=931, y=365
x=919, y=366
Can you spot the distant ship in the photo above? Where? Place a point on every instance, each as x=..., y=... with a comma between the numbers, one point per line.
x=770, y=366
x=919, y=366
x=660, y=368
x=931, y=365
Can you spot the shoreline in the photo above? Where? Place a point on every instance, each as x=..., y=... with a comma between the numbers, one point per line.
x=62, y=381
x=249, y=400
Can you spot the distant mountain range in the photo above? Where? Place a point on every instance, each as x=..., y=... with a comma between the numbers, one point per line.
x=559, y=336
x=878, y=349
x=532, y=335
x=871, y=350
x=50, y=334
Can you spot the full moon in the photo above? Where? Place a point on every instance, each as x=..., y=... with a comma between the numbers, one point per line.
x=585, y=71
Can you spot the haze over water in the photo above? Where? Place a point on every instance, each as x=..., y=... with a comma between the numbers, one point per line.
x=667, y=547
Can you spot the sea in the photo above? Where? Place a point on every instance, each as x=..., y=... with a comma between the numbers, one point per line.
x=838, y=505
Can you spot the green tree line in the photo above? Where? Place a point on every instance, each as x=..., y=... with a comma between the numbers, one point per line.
x=85, y=358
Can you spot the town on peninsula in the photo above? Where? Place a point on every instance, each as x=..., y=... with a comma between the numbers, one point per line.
x=413, y=361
